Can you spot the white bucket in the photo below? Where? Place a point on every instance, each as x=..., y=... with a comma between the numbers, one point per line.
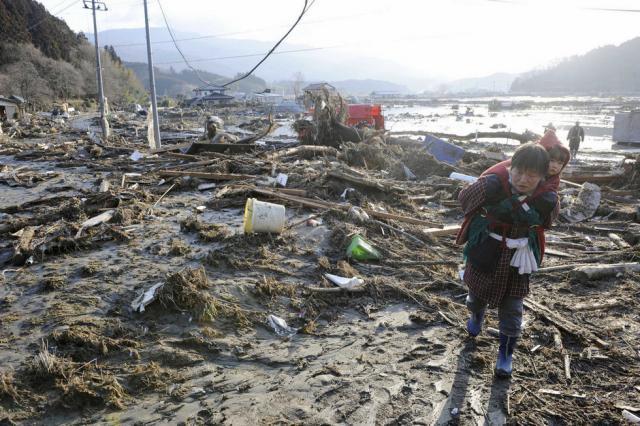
x=263, y=217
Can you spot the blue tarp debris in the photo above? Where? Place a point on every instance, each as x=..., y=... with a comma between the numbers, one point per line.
x=442, y=150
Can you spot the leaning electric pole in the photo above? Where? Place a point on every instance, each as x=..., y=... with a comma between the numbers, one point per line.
x=152, y=83
x=99, y=5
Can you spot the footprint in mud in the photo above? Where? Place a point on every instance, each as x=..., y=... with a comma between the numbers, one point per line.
x=425, y=351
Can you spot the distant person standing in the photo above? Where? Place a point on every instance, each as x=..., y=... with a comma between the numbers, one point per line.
x=575, y=136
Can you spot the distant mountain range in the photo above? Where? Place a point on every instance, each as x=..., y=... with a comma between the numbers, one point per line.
x=227, y=57
x=606, y=70
x=494, y=83
x=613, y=70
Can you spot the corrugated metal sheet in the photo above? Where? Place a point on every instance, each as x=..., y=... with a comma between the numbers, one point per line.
x=626, y=127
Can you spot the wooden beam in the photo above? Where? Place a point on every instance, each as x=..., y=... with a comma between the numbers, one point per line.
x=341, y=207
x=592, y=272
x=205, y=175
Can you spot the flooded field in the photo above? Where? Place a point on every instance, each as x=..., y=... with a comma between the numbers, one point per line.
x=596, y=116
x=75, y=349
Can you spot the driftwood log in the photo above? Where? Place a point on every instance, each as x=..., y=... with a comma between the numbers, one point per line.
x=520, y=137
x=305, y=151
x=593, y=272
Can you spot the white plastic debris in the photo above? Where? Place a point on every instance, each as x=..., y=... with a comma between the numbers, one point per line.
x=18, y=234
x=343, y=196
x=149, y=295
x=630, y=417
x=462, y=177
x=135, y=155
x=343, y=282
x=584, y=205
x=281, y=179
x=201, y=209
x=357, y=213
x=280, y=326
x=96, y=220
x=205, y=186
x=104, y=186
x=408, y=173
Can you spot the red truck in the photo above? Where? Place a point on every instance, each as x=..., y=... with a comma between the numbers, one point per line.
x=366, y=113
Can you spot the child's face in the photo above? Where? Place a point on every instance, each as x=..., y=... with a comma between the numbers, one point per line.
x=555, y=167
x=525, y=181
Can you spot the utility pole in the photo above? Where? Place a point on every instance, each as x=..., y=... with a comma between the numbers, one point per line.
x=152, y=82
x=99, y=5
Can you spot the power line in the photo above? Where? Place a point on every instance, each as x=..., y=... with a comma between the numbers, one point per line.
x=166, y=23
x=250, y=55
x=68, y=6
x=233, y=33
x=305, y=9
x=47, y=13
x=311, y=49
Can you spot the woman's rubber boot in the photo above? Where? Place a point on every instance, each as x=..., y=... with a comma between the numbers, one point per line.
x=474, y=324
x=504, y=364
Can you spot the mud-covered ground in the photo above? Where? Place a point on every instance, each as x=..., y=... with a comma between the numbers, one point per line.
x=72, y=350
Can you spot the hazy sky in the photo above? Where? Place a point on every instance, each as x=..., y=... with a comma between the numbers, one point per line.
x=431, y=38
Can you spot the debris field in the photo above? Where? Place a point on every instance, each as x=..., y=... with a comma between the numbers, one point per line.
x=131, y=294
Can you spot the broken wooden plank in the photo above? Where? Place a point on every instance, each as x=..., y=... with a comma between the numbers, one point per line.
x=563, y=323
x=335, y=290
x=567, y=367
x=617, y=240
x=304, y=150
x=557, y=253
x=292, y=191
x=171, y=148
x=623, y=406
x=363, y=181
x=342, y=207
x=520, y=137
x=562, y=394
x=567, y=244
x=439, y=232
x=592, y=272
x=206, y=175
x=572, y=184
x=610, y=303
x=591, y=178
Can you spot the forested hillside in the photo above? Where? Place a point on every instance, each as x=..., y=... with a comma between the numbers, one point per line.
x=43, y=60
x=606, y=70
